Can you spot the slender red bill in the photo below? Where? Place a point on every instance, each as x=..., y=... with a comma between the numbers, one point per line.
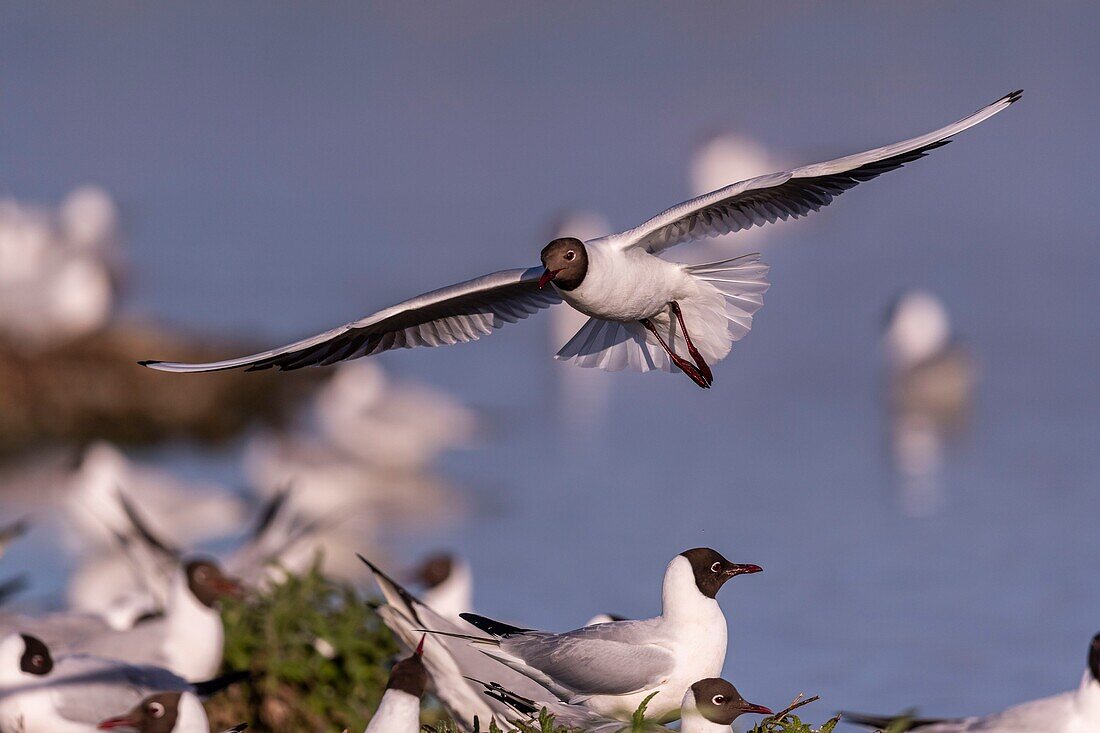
x=750, y=708
x=547, y=277
x=122, y=722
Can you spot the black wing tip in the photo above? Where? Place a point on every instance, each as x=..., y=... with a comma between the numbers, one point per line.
x=1013, y=97
x=149, y=362
x=491, y=627
x=882, y=722
x=206, y=688
x=238, y=728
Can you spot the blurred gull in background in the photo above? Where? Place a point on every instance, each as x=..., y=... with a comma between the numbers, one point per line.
x=930, y=382
x=56, y=269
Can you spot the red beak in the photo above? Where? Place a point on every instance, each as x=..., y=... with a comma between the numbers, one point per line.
x=120, y=722
x=750, y=708
x=420, y=646
x=229, y=587
x=547, y=277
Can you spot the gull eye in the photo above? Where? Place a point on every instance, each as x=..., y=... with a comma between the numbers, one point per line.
x=716, y=567
x=570, y=255
x=200, y=574
x=38, y=660
x=156, y=710
x=718, y=699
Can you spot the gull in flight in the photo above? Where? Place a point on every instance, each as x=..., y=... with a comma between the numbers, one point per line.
x=644, y=312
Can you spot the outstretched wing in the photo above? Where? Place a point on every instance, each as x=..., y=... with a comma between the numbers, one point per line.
x=462, y=312
x=794, y=193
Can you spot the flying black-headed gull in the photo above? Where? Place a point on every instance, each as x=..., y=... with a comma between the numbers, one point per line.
x=642, y=309
x=611, y=667
x=399, y=710
x=1076, y=711
x=451, y=662
x=41, y=692
x=709, y=706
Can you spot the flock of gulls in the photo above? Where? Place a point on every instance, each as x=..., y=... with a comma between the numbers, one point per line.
x=146, y=659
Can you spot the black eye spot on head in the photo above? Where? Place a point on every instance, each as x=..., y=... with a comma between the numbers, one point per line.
x=36, y=657
x=711, y=570
x=409, y=675
x=1094, y=658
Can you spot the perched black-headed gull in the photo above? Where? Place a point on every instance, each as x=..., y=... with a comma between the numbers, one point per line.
x=611, y=667
x=643, y=310
x=448, y=584
x=399, y=710
x=1076, y=711
x=71, y=693
x=451, y=662
x=188, y=639
x=164, y=712
x=709, y=706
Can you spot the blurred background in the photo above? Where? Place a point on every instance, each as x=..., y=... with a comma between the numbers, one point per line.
x=918, y=473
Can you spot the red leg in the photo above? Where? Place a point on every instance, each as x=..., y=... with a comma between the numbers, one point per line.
x=699, y=362
x=683, y=364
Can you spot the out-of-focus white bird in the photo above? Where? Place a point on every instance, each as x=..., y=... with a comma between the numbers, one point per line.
x=390, y=424
x=182, y=512
x=188, y=639
x=931, y=380
x=448, y=584
x=1076, y=711
x=55, y=269
x=164, y=712
x=41, y=692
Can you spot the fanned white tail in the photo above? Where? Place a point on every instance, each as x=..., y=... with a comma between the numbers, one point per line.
x=728, y=293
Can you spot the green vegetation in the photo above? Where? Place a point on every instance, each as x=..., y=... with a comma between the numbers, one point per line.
x=320, y=658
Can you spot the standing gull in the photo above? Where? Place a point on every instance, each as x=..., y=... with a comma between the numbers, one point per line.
x=644, y=312
x=709, y=706
x=612, y=667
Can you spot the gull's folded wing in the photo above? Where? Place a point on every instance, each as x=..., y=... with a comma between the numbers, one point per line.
x=462, y=312
x=787, y=194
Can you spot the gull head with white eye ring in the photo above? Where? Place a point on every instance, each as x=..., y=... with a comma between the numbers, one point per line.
x=719, y=702
x=155, y=714
x=566, y=263
x=711, y=570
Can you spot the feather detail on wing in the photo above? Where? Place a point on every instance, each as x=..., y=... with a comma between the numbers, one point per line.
x=458, y=313
x=788, y=194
